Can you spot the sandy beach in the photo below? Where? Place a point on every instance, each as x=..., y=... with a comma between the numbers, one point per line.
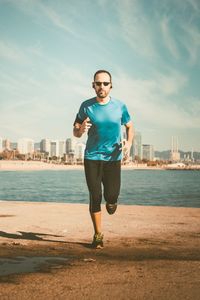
x=149, y=253
x=20, y=165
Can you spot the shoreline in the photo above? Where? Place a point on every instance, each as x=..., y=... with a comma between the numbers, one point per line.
x=103, y=203
x=155, y=247
x=40, y=166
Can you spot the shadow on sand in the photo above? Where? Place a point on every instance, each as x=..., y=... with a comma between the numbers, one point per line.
x=38, y=236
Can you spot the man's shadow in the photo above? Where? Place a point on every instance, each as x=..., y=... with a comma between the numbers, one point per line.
x=34, y=236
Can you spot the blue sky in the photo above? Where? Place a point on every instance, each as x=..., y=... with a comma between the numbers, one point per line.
x=49, y=51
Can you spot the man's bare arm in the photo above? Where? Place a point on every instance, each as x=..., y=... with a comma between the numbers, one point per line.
x=129, y=132
x=129, y=140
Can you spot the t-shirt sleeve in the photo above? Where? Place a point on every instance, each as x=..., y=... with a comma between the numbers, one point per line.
x=125, y=115
x=81, y=115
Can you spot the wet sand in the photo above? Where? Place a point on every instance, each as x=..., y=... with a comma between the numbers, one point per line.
x=149, y=253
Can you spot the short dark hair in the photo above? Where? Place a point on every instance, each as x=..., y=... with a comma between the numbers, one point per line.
x=103, y=71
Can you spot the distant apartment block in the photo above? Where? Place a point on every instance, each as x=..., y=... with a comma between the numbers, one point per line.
x=25, y=146
x=1, y=144
x=52, y=147
x=79, y=151
x=147, y=152
x=54, y=150
x=6, y=144
x=13, y=145
x=70, y=146
x=136, y=150
x=45, y=146
x=62, y=148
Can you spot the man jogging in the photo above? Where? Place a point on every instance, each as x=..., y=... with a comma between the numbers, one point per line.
x=101, y=117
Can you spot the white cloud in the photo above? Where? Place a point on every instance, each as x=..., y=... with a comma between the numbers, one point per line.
x=171, y=83
x=54, y=17
x=11, y=52
x=169, y=38
x=195, y=4
x=150, y=104
x=36, y=49
x=48, y=12
x=33, y=108
x=191, y=42
x=180, y=30
x=48, y=108
x=103, y=3
x=135, y=28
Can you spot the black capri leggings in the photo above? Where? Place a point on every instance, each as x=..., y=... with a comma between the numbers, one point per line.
x=99, y=172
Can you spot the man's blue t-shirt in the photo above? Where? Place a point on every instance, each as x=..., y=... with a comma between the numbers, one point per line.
x=104, y=136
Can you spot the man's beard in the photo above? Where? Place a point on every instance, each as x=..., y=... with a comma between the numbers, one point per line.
x=102, y=94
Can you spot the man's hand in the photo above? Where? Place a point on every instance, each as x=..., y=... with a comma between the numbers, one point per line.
x=80, y=129
x=126, y=150
x=85, y=126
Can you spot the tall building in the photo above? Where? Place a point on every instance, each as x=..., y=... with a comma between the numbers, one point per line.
x=192, y=155
x=62, y=148
x=6, y=144
x=37, y=147
x=1, y=144
x=136, y=149
x=13, y=145
x=70, y=146
x=45, y=145
x=79, y=151
x=175, y=154
x=54, y=150
x=25, y=146
x=147, y=152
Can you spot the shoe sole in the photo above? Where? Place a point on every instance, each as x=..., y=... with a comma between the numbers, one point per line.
x=99, y=247
x=111, y=208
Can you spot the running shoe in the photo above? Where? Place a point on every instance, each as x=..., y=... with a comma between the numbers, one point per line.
x=111, y=208
x=97, y=242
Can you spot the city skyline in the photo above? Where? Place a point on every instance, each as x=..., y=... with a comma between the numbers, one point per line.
x=49, y=52
x=72, y=148
x=83, y=140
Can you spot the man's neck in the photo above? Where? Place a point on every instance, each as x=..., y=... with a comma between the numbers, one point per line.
x=103, y=100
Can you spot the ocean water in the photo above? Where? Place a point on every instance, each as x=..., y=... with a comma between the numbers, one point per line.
x=139, y=187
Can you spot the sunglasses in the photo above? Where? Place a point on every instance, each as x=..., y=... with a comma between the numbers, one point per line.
x=98, y=83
